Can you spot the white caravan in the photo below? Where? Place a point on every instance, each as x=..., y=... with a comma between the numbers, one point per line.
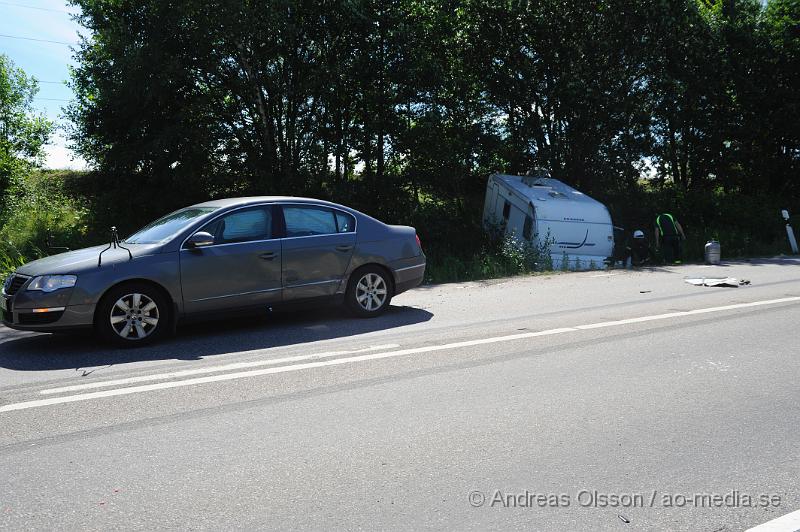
x=534, y=208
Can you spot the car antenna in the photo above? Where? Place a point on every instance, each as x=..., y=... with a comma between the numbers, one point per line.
x=115, y=243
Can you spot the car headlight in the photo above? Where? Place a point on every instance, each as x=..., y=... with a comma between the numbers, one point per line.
x=51, y=283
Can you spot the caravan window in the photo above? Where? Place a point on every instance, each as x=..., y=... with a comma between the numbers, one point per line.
x=506, y=210
x=527, y=229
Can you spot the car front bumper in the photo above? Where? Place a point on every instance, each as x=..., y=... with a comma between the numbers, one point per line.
x=34, y=310
x=45, y=318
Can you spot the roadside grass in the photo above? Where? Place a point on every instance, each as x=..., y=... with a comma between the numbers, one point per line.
x=39, y=217
x=500, y=257
x=511, y=258
x=450, y=269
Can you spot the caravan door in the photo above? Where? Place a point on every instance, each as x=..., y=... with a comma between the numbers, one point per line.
x=584, y=243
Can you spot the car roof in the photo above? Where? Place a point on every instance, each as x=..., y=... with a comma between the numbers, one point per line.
x=542, y=188
x=235, y=202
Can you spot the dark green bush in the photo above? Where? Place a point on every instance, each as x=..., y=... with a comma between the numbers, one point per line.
x=76, y=209
x=744, y=225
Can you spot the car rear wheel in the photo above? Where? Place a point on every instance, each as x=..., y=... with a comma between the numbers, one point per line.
x=132, y=314
x=369, y=292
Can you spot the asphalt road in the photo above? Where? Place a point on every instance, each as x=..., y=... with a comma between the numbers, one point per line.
x=589, y=401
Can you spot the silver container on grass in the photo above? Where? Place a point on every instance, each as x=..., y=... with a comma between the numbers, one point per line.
x=713, y=252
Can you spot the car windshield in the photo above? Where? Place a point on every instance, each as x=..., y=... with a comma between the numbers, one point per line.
x=165, y=227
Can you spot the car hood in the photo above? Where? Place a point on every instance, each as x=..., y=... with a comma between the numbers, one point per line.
x=83, y=259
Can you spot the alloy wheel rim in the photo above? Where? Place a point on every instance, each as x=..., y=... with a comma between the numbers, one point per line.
x=134, y=316
x=371, y=292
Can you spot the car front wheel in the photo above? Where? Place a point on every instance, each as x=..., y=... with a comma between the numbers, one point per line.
x=132, y=314
x=369, y=292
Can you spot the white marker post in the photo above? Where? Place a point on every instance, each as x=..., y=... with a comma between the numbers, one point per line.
x=790, y=231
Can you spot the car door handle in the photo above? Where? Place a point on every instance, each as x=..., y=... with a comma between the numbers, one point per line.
x=344, y=249
x=269, y=255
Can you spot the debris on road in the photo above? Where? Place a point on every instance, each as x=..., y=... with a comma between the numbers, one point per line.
x=729, y=282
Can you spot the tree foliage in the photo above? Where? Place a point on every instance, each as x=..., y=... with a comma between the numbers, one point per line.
x=391, y=104
x=23, y=133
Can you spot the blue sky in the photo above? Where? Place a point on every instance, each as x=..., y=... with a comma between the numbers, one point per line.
x=47, y=62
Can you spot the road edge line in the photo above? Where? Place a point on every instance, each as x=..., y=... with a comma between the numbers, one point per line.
x=376, y=356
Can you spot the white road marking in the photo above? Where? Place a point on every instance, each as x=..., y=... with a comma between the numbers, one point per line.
x=603, y=275
x=213, y=369
x=266, y=371
x=376, y=356
x=787, y=523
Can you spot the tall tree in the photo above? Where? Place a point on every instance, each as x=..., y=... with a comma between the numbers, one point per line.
x=23, y=132
x=781, y=155
x=568, y=83
x=388, y=102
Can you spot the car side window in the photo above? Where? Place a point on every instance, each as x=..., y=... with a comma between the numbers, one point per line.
x=244, y=225
x=345, y=223
x=304, y=220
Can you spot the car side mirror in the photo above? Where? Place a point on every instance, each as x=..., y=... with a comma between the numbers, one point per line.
x=200, y=239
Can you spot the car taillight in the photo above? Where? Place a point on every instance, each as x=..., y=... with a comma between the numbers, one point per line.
x=418, y=241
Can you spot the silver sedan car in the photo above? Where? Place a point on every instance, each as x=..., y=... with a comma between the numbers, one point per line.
x=213, y=258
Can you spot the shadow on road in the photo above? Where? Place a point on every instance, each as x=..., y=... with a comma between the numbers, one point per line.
x=41, y=352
